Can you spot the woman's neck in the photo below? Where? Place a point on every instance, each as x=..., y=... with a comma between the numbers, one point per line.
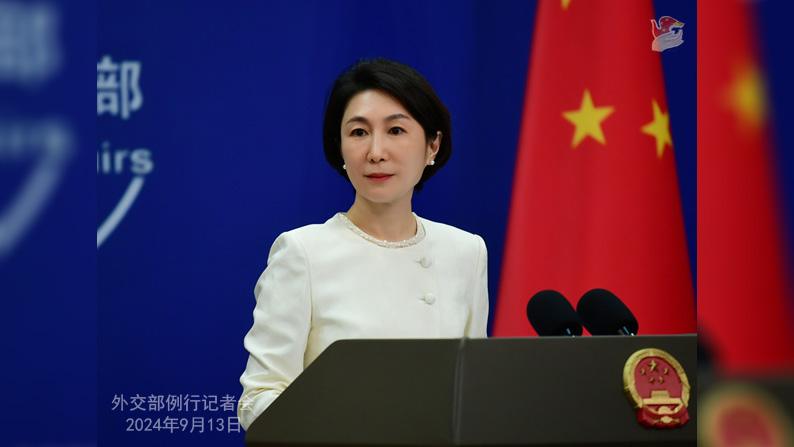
x=390, y=222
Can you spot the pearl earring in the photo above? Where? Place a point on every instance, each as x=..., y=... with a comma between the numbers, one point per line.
x=344, y=167
x=432, y=162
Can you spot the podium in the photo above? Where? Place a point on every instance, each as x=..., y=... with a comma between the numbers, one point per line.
x=537, y=391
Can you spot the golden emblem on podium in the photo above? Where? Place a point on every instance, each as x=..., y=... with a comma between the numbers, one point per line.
x=658, y=388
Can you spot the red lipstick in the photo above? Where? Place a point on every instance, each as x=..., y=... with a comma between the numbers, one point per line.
x=379, y=176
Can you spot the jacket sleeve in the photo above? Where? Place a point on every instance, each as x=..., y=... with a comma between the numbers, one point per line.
x=477, y=325
x=277, y=340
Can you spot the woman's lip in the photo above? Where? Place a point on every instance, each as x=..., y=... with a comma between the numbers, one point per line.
x=379, y=176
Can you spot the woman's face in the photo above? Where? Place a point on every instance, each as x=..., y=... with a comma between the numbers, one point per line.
x=384, y=147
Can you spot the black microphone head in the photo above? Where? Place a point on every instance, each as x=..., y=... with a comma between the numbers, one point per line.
x=550, y=313
x=602, y=313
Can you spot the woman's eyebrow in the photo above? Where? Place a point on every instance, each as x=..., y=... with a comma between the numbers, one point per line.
x=397, y=116
x=361, y=119
x=357, y=119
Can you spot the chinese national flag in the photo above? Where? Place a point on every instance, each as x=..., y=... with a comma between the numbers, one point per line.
x=745, y=285
x=595, y=195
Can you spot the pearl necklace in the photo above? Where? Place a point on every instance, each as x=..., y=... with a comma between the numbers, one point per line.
x=420, y=234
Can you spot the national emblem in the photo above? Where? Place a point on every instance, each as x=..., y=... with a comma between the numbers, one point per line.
x=658, y=388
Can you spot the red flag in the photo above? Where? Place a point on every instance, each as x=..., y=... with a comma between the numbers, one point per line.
x=595, y=196
x=744, y=283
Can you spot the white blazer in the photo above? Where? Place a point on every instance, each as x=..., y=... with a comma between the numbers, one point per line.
x=325, y=283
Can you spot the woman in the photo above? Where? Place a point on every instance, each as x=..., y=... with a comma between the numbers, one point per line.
x=378, y=270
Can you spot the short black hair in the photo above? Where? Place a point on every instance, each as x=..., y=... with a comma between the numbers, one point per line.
x=405, y=85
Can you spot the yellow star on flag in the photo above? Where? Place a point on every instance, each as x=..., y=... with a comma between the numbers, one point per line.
x=565, y=4
x=588, y=120
x=747, y=97
x=659, y=128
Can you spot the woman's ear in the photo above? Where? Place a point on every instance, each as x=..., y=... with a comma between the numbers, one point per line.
x=433, y=147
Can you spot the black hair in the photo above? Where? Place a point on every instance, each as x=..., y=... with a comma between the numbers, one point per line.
x=405, y=85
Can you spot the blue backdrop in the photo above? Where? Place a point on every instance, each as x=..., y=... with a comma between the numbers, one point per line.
x=214, y=139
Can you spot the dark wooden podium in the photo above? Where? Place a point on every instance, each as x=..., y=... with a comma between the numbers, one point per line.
x=550, y=391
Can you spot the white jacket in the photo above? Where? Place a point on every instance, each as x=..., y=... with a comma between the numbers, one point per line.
x=325, y=283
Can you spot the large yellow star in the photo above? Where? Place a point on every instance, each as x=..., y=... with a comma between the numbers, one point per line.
x=588, y=120
x=747, y=97
x=659, y=128
x=565, y=4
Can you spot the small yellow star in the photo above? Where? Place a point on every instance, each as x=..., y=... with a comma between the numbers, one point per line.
x=659, y=128
x=565, y=4
x=642, y=371
x=588, y=120
x=653, y=364
x=651, y=379
x=666, y=370
x=747, y=97
x=661, y=379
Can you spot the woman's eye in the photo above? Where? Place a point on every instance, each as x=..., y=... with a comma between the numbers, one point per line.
x=358, y=132
x=396, y=130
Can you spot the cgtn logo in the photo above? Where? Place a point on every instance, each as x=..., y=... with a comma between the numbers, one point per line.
x=121, y=171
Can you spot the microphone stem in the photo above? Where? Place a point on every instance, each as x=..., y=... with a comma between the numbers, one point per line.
x=625, y=331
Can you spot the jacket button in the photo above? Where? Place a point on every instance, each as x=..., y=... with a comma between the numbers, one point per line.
x=426, y=262
x=430, y=298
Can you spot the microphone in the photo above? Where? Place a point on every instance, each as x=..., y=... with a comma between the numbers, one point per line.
x=602, y=313
x=550, y=313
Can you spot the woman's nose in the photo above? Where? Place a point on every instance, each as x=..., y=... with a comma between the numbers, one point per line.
x=377, y=150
